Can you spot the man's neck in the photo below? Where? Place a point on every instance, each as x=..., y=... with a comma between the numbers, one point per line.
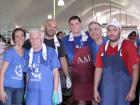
x=76, y=34
x=99, y=41
x=113, y=44
x=38, y=49
x=48, y=37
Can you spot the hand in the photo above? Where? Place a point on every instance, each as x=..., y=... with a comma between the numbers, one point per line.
x=3, y=96
x=97, y=96
x=55, y=98
x=68, y=83
x=25, y=94
x=130, y=96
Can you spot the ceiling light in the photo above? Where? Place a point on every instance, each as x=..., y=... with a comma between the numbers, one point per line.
x=49, y=16
x=98, y=14
x=17, y=26
x=123, y=22
x=61, y=3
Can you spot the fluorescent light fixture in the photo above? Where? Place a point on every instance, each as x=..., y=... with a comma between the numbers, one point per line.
x=98, y=14
x=123, y=22
x=61, y=3
x=49, y=16
x=17, y=26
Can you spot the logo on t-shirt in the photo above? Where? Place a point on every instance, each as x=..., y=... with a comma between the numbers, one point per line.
x=35, y=74
x=18, y=75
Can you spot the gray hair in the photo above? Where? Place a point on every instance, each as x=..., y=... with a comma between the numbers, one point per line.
x=94, y=22
x=36, y=30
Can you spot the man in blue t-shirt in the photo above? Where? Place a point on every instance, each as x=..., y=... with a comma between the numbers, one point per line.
x=95, y=38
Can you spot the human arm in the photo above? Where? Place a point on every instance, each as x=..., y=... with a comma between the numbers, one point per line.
x=55, y=97
x=64, y=64
x=56, y=79
x=97, y=78
x=133, y=67
x=98, y=74
x=55, y=65
x=135, y=75
x=3, y=95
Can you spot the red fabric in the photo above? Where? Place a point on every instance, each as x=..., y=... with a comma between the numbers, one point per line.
x=129, y=54
x=82, y=74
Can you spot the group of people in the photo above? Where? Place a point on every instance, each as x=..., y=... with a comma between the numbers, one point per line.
x=104, y=69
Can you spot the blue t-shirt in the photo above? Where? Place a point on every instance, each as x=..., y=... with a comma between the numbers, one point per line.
x=52, y=61
x=94, y=47
x=14, y=72
x=70, y=45
x=40, y=77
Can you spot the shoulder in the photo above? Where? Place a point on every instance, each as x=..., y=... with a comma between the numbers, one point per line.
x=102, y=48
x=9, y=50
x=60, y=40
x=127, y=44
x=45, y=40
x=51, y=53
x=8, y=53
x=66, y=38
x=50, y=49
x=128, y=47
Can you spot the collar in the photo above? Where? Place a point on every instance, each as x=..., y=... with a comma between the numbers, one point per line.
x=83, y=34
x=119, y=44
x=56, y=42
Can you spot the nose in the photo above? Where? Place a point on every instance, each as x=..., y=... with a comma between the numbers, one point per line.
x=110, y=32
x=52, y=28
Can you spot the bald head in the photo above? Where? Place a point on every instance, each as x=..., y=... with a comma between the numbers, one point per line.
x=50, y=28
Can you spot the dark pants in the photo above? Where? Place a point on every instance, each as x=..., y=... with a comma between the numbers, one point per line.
x=15, y=96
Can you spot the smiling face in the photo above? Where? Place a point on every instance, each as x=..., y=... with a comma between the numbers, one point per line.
x=95, y=31
x=50, y=28
x=19, y=38
x=113, y=33
x=36, y=40
x=75, y=26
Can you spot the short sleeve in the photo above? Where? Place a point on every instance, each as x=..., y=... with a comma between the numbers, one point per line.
x=8, y=55
x=54, y=61
x=131, y=54
x=99, y=62
x=61, y=50
x=134, y=58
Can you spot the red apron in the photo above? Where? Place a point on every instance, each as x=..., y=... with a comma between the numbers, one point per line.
x=82, y=74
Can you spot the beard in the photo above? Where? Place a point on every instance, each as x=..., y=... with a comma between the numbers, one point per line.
x=50, y=33
x=114, y=38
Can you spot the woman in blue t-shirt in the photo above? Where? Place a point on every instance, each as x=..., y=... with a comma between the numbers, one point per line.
x=11, y=73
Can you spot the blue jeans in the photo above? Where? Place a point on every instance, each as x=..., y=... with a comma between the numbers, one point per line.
x=15, y=96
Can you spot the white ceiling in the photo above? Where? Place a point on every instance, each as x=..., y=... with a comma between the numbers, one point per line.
x=32, y=13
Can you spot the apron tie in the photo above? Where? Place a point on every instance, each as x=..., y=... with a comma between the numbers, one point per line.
x=83, y=34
